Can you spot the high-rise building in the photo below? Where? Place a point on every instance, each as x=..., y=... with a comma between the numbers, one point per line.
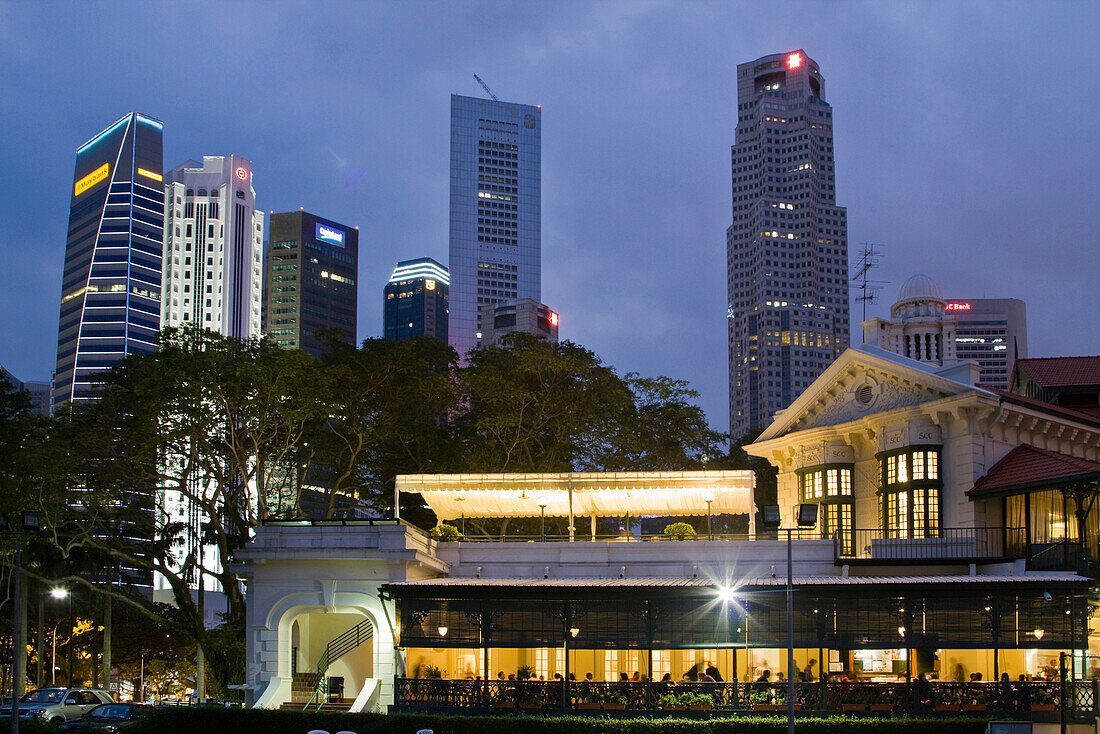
x=312, y=266
x=213, y=247
x=787, y=249
x=37, y=392
x=496, y=211
x=991, y=332
x=524, y=315
x=415, y=301
x=111, y=285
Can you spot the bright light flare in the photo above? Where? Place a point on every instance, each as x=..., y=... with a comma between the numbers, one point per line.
x=726, y=595
x=59, y=593
x=794, y=60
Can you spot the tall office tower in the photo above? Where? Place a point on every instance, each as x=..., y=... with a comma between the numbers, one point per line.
x=415, y=301
x=787, y=250
x=312, y=265
x=110, y=289
x=496, y=211
x=991, y=332
x=213, y=247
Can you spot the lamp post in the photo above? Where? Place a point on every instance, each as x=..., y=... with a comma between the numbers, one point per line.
x=60, y=593
x=708, y=498
x=542, y=517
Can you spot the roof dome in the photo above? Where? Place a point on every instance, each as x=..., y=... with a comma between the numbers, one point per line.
x=920, y=286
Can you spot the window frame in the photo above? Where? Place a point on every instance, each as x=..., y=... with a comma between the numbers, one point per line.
x=912, y=485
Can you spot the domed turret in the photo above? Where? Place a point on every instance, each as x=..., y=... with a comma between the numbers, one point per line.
x=919, y=298
x=920, y=286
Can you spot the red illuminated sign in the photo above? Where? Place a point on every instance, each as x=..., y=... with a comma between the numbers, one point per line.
x=794, y=60
x=553, y=318
x=242, y=173
x=958, y=307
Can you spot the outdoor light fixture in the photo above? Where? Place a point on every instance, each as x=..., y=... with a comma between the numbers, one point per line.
x=1039, y=633
x=442, y=631
x=59, y=593
x=725, y=593
x=901, y=631
x=573, y=631
x=807, y=515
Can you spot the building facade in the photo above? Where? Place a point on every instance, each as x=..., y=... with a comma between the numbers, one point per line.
x=213, y=247
x=312, y=268
x=993, y=333
x=111, y=285
x=495, y=211
x=524, y=316
x=787, y=249
x=416, y=300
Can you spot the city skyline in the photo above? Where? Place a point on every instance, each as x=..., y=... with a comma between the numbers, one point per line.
x=642, y=109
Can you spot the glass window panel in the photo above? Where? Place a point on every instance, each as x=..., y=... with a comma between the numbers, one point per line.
x=846, y=481
x=918, y=465
x=933, y=464
x=918, y=513
x=933, y=521
x=831, y=486
x=903, y=471
x=891, y=469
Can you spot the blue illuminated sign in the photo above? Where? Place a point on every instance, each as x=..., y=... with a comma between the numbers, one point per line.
x=330, y=235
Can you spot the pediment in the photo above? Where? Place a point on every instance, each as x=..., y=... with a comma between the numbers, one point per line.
x=861, y=383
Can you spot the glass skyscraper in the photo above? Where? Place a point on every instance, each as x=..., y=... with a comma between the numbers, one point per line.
x=496, y=211
x=110, y=289
x=415, y=300
x=787, y=249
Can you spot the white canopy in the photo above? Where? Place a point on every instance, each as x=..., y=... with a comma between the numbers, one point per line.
x=601, y=494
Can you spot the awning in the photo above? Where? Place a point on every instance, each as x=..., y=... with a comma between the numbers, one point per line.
x=603, y=494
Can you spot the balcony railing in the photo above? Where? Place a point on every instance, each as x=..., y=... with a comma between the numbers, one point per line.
x=1025, y=699
x=948, y=545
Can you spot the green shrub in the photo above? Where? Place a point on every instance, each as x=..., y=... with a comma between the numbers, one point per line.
x=679, y=531
x=433, y=671
x=235, y=721
x=446, y=533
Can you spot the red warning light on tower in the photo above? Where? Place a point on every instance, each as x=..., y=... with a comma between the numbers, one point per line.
x=553, y=319
x=794, y=60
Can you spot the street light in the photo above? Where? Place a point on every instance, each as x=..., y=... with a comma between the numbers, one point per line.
x=543, y=502
x=708, y=498
x=60, y=593
x=806, y=517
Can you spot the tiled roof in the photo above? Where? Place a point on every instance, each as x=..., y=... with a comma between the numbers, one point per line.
x=1074, y=413
x=1062, y=371
x=749, y=582
x=1028, y=466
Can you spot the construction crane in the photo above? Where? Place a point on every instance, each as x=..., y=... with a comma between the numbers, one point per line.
x=486, y=88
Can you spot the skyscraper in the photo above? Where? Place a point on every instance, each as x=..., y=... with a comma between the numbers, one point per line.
x=496, y=211
x=415, y=301
x=787, y=249
x=213, y=247
x=993, y=333
x=111, y=286
x=312, y=267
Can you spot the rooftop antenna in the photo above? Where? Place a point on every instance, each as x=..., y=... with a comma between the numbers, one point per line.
x=868, y=289
x=486, y=88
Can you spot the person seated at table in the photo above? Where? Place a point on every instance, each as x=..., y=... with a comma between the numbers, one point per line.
x=500, y=675
x=807, y=674
x=588, y=677
x=765, y=676
x=712, y=671
x=623, y=677
x=666, y=678
x=637, y=677
x=705, y=677
x=780, y=678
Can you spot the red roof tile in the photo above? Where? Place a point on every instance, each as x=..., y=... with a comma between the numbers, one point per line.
x=1062, y=371
x=1026, y=466
x=1079, y=413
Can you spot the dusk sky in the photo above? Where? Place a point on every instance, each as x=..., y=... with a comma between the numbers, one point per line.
x=965, y=145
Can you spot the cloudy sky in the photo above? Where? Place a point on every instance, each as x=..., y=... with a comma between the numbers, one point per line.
x=966, y=144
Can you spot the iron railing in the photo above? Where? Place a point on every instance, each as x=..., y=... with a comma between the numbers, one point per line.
x=947, y=545
x=1025, y=699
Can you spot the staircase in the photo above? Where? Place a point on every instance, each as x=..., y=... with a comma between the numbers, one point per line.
x=336, y=649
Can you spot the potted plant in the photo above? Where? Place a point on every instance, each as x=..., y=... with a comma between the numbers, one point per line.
x=671, y=702
x=856, y=701
x=432, y=671
x=945, y=699
x=530, y=700
x=976, y=700
x=882, y=700
x=1041, y=700
x=446, y=533
x=698, y=701
x=761, y=700
x=680, y=531
x=525, y=672
x=589, y=700
x=614, y=701
x=781, y=701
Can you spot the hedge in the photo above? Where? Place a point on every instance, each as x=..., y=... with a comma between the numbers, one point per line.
x=240, y=721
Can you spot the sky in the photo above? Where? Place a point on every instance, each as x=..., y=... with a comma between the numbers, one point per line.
x=965, y=145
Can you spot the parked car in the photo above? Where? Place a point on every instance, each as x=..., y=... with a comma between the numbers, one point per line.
x=58, y=705
x=110, y=717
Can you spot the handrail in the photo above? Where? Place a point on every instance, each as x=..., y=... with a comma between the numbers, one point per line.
x=334, y=650
x=943, y=545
